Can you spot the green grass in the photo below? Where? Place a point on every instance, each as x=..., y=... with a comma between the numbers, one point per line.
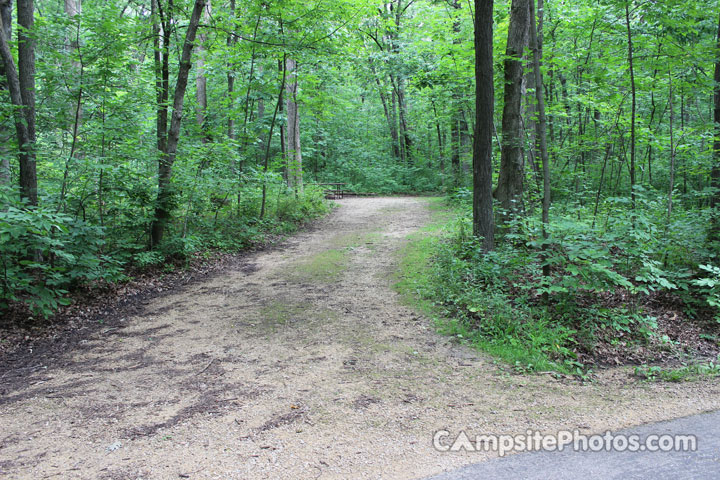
x=323, y=267
x=486, y=320
x=680, y=374
x=357, y=239
x=284, y=314
x=413, y=277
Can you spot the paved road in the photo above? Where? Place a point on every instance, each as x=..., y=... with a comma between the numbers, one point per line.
x=701, y=464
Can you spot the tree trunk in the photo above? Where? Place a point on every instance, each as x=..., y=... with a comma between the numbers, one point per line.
x=441, y=155
x=21, y=85
x=536, y=45
x=483, y=222
x=231, y=40
x=161, y=40
x=458, y=129
x=455, y=151
x=404, y=131
x=510, y=188
x=72, y=45
x=633, y=104
x=465, y=141
x=392, y=127
x=292, y=135
x=270, y=134
x=5, y=135
x=201, y=80
x=715, y=172
x=163, y=206
x=671, y=185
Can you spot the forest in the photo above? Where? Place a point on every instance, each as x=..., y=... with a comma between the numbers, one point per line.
x=576, y=145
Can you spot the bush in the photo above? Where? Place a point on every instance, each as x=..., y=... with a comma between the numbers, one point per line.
x=302, y=207
x=43, y=253
x=597, y=277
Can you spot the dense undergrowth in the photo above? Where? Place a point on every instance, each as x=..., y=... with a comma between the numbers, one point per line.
x=45, y=254
x=612, y=288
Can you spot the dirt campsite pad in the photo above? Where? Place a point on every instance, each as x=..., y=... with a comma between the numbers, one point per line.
x=301, y=363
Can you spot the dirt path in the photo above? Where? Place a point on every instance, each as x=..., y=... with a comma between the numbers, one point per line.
x=299, y=364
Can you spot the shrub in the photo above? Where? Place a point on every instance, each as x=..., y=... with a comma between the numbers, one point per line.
x=43, y=253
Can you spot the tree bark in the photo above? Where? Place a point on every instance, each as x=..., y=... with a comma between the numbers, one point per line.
x=161, y=40
x=21, y=85
x=404, y=130
x=455, y=150
x=458, y=127
x=671, y=185
x=441, y=155
x=293, y=151
x=270, y=134
x=5, y=135
x=483, y=222
x=231, y=40
x=714, y=235
x=201, y=80
x=26, y=71
x=163, y=206
x=541, y=125
x=633, y=104
x=73, y=8
x=510, y=187
x=392, y=128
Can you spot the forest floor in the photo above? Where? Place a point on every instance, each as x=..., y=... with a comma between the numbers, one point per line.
x=300, y=362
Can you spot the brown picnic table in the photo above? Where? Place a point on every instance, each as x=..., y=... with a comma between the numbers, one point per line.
x=333, y=190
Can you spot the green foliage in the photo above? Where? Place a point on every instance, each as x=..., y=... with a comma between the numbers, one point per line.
x=685, y=373
x=44, y=253
x=709, y=287
x=302, y=207
x=476, y=292
x=501, y=302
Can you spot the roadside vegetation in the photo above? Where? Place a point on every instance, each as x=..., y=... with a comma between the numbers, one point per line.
x=46, y=254
x=613, y=297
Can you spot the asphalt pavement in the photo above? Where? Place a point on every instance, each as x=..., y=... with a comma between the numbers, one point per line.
x=584, y=463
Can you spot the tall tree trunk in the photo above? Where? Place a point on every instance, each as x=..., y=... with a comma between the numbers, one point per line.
x=5, y=135
x=201, y=81
x=406, y=141
x=509, y=191
x=21, y=85
x=671, y=185
x=73, y=8
x=458, y=135
x=26, y=71
x=161, y=41
x=483, y=222
x=714, y=235
x=455, y=151
x=536, y=45
x=163, y=206
x=633, y=104
x=465, y=140
x=392, y=128
x=231, y=40
x=293, y=151
x=397, y=80
x=259, y=127
x=266, y=162
x=441, y=154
